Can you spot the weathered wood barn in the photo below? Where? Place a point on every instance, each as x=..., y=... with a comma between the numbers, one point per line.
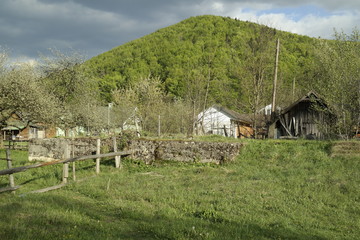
x=225, y=122
x=305, y=118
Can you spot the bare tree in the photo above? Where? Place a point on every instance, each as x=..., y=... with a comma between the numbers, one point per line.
x=145, y=101
x=259, y=66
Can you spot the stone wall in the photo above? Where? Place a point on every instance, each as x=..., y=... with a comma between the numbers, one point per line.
x=145, y=150
x=184, y=151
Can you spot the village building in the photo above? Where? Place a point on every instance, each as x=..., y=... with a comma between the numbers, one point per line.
x=225, y=122
x=305, y=118
x=267, y=110
x=17, y=129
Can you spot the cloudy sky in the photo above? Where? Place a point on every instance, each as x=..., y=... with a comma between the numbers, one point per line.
x=30, y=27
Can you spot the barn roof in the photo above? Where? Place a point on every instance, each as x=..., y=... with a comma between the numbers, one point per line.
x=309, y=97
x=245, y=118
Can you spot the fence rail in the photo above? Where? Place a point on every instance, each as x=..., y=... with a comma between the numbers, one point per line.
x=81, y=158
x=10, y=171
x=16, y=144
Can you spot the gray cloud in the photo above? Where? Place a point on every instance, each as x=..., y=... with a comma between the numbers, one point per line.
x=327, y=4
x=28, y=27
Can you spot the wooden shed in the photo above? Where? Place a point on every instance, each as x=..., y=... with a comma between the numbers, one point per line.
x=305, y=118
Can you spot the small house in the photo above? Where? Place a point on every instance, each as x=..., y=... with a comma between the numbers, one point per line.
x=225, y=122
x=305, y=118
x=17, y=129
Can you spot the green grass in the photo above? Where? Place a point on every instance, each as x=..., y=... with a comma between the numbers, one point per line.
x=274, y=190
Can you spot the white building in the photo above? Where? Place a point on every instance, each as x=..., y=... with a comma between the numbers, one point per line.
x=222, y=121
x=267, y=110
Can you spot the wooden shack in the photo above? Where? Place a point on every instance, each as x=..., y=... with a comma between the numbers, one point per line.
x=305, y=118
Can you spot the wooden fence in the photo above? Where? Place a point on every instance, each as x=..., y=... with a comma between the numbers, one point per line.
x=65, y=174
x=16, y=144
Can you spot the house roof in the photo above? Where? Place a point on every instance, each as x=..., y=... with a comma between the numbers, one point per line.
x=233, y=115
x=14, y=124
x=10, y=128
x=17, y=122
x=309, y=97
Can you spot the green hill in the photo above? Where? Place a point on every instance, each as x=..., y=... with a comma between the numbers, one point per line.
x=217, y=52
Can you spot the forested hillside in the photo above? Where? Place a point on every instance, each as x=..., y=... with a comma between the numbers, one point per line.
x=209, y=59
x=222, y=55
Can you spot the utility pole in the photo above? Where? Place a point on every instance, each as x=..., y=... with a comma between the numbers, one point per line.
x=159, y=126
x=109, y=116
x=273, y=108
x=293, y=89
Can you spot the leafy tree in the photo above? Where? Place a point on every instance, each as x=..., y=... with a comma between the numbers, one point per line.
x=146, y=97
x=22, y=92
x=339, y=81
x=76, y=94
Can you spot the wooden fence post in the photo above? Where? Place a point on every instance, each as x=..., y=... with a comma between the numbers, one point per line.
x=73, y=165
x=66, y=165
x=98, y=146
x=9, y=165
x=117, y=158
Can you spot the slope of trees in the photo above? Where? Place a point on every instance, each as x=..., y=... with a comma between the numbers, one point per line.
x=209, y=59
x=206, y=54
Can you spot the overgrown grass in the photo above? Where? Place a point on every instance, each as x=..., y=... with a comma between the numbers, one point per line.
x=274, y=190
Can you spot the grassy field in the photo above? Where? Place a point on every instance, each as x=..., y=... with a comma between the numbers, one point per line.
x=274, y=190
